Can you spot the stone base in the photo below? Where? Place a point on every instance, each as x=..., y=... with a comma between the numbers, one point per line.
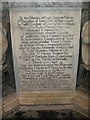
x=57, y=100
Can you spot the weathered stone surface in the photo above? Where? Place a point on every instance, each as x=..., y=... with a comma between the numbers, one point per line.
x=86, y=53
x=86, y=33
x=3, y=48
x=45, y=44
x=86, y=43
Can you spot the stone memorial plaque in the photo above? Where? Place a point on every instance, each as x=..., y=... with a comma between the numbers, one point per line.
x=45, y=44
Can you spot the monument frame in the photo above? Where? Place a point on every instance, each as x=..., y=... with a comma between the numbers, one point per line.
x=62, y=97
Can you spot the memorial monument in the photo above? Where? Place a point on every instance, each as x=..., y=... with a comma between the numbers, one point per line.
x=44, y=50
x=45, y=44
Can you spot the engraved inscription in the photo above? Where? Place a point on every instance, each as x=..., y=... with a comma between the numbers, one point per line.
x=45, y=48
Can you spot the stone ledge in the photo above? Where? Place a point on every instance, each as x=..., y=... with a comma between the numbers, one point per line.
x=70, y=100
